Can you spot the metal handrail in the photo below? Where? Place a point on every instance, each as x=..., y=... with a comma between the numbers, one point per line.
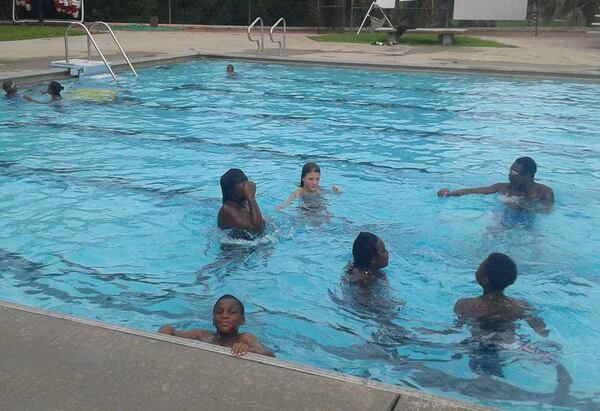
x=283, y=42
x=91, y=38
x=101, y=23
x=261, y=44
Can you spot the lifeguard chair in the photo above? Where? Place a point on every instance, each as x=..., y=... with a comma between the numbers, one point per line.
x=384, y=24
x=378, y=22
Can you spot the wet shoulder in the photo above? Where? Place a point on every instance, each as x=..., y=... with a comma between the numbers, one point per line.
x=544, y=192
x=502, y=188
x=354, y=275
x=466, y=307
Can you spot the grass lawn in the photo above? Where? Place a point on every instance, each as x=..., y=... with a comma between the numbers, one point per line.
x=531, y=24
x=411, y=39
x=25, y=32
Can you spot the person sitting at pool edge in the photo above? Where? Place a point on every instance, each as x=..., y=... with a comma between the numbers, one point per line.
x=240, y=209
x=494, y=312
x=369, y=257
x=520, y=184
x=310, y=178
x=228, y=316
x=10, y=88
x=54, y=89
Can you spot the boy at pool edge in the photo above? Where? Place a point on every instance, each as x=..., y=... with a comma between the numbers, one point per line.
x=228, y=316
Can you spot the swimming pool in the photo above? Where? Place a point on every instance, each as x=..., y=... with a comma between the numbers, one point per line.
x=109, y=212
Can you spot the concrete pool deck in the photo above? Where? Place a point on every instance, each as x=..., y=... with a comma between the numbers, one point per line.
x=572, y=54
x=53, y=361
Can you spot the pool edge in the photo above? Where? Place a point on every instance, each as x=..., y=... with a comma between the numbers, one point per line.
x=403, y=398
x=236, y=56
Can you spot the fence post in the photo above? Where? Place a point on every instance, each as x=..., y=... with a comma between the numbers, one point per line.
x=447, y=19
x=537, y=16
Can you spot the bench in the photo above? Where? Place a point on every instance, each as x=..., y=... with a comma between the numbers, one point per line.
x=392, y=33
x=446, y=36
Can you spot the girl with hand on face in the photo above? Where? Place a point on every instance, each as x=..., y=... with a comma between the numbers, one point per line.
x=309, y=185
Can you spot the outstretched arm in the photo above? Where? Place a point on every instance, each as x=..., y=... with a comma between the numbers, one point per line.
x=193, y=334
x=536, y=323
x=495, y=188
x=32, y=100
x=289, y=200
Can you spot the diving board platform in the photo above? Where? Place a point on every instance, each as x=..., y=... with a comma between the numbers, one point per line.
x=82, y=67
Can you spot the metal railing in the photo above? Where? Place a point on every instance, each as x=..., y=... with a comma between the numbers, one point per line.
x=103, y=24
x=282, y=43
x=90, y=38
x=261, y=44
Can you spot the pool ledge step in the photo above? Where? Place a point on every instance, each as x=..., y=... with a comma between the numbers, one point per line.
x=55, y=361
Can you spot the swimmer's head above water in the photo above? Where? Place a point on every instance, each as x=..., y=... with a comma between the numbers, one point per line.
x=522, y=171
x=228, y=314
x=496, y=272
x=54, y=89
x=230, y=69
x=368, y=252
x=10, y=88
x=310, y=177
x=232, y=185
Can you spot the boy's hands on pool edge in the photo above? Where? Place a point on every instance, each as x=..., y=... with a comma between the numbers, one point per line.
x=167, y=329
x=240, y=349
x=247, y=343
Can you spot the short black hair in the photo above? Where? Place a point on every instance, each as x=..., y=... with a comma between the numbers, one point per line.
x=55, y=88
x=229, y=180
x=529, y=166
x=500, y=270
x=9, y=85
x=229, y=297
x=364, y=249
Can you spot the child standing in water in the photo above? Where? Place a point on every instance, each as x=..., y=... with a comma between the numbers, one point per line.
x=309, y=185
x=369, y=257
x=54, y=89
x=493, y=312
x=228, y=316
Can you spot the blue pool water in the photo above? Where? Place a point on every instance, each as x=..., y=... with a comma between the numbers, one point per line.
x=109, y=212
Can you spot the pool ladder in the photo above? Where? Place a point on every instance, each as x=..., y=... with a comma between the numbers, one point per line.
x=261, y=43
x=91, y=40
